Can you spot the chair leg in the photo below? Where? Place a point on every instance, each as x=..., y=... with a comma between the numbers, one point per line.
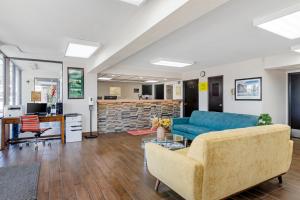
x=36, y=144
x=280, y=179
x=157, y=183
x=185, y=142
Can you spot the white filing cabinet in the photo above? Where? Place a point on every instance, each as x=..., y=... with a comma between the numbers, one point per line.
x=73, y=127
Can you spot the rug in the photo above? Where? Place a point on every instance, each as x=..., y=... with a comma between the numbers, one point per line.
x=141, y=132
x=19, y=182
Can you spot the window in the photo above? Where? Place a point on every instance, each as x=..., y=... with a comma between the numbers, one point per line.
x=1, y=84
x=18, y=86
x=11, y=84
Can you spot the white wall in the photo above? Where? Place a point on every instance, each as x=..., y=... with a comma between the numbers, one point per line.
x=273, y=91
x=81, y=105
x=126, y=89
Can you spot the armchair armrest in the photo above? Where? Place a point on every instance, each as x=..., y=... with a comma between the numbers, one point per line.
x=183, y=120
x=181, y=173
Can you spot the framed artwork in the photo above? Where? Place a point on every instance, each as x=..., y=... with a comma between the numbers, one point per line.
x=248, y=89
x=75, y=83
x=115, y=91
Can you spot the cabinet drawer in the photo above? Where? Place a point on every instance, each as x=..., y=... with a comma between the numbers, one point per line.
x=73, y=124
x=74, y=119
x=75, y=136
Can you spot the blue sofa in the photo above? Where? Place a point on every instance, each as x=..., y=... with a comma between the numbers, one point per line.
x=202, y=122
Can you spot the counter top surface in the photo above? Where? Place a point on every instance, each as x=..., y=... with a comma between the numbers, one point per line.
x=136, y=101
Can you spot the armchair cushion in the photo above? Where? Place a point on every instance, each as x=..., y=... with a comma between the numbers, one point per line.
x=170, y=166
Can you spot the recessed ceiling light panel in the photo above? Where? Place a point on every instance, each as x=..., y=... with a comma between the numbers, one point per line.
x=104, y=78
x=151, y=81
x=134, y=2
x=171, y=63
x=81, y=49
x=284, y=23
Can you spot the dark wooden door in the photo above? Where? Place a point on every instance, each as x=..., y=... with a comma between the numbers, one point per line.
x=159, y=91
x=190, y=97
x=294, y=100
x=215, y=93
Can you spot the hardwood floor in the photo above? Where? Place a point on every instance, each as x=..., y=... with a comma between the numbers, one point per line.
x=112, y=167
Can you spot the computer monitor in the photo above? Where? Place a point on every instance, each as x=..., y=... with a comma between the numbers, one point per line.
x=37, y=108
x=110, y=97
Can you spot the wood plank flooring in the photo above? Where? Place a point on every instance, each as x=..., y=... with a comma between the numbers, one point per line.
x=112, y=167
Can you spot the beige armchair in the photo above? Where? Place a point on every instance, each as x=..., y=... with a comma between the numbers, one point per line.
x=220, y=164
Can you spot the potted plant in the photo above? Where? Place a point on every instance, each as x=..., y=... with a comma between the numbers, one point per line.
x=264, y=119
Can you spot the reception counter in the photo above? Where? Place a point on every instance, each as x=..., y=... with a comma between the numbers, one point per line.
x=123, y=115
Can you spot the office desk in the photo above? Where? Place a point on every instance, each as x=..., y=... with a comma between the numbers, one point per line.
x=16, y=120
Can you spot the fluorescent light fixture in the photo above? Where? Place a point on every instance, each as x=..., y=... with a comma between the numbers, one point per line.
x=151, y=81
x=81, y=49
x=284, y=23
x=134, y=2
x=296, y=48
x=104, y=78
x=171, y=63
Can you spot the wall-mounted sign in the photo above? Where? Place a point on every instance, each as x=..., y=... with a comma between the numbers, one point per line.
x=115, y=91
x=36, y=96
x=75, y=83
x=203, y=86
x=178, y=90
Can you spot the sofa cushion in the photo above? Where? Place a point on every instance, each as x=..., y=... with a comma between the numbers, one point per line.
x=222, y=121
x=191, y=129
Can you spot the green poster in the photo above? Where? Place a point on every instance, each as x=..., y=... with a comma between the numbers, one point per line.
x=75, y=83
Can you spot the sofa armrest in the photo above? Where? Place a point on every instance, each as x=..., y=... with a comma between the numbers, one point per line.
x=181, y=173
x=183, y=120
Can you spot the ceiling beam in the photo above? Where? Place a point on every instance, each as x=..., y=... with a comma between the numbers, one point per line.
x=155, y=20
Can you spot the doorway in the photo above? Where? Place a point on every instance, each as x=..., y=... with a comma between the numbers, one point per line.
x=293, y=100
x=215, y=94
x=190, y=97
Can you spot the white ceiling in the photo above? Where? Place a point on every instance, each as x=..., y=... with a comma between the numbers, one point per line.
x=43, y=28
x=41, y=66
x=225, y=35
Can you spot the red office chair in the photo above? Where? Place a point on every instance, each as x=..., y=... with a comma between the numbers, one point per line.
x=31, y=123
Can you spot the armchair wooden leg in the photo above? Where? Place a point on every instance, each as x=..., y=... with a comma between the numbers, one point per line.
x=157, y=183
x=185, y=142
x=280, y=179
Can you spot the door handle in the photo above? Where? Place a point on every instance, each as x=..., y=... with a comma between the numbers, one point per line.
x=220, y=105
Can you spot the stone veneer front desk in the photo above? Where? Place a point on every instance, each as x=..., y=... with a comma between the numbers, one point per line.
x=123, y=115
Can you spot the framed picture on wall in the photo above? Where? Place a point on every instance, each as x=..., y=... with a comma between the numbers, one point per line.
x=75, y=83
x=248, y=89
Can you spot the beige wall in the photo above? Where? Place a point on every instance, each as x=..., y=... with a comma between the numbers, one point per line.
x=126, y=89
